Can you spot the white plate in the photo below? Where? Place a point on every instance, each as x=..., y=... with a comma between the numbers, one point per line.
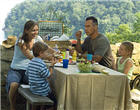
x=24, y=86
x=58, y=65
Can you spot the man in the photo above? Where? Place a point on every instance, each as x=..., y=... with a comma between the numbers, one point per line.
x=95, y=43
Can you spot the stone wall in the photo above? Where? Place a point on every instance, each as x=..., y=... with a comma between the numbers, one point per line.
x=6, y=58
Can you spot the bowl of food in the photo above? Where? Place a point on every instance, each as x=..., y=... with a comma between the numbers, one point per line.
x=84, y=67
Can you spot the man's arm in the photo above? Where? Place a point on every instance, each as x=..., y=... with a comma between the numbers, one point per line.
x=97, y=58
x=101, y=48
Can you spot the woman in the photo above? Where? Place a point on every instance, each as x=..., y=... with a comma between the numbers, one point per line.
x=21, y=58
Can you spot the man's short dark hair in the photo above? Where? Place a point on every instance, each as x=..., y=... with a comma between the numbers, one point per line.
x=95, y=21
x=39, y=47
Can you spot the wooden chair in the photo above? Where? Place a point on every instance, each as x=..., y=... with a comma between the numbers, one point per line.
x=135, y=95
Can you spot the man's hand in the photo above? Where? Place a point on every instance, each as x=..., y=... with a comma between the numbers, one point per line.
x=78, y=35
x=78, y=45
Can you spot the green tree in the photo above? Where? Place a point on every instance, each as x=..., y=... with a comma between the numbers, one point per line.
x=72, y=13
x=137, y=23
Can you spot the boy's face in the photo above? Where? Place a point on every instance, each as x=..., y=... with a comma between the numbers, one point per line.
x=42, y=55
x=45, y=55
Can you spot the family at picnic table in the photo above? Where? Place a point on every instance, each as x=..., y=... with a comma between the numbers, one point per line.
x=30, y=51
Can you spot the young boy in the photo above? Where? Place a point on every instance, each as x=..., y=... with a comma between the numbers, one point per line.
x=38, y=72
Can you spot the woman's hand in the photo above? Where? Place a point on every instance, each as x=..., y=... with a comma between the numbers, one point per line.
x=53, y=61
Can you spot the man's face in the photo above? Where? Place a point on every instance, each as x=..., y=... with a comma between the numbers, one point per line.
x=90, y=28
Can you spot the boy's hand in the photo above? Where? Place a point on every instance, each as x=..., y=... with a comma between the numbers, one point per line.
x=53, y=61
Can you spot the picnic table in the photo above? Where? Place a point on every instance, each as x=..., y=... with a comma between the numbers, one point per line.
x=90, y=91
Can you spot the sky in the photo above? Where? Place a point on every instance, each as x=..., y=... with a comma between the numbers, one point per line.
x=6, y=6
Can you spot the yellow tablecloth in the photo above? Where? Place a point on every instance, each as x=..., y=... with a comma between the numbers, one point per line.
x=91, y=91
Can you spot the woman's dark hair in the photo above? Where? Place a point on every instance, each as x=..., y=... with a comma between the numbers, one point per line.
x=28, y=26
x=39, y=47
x=94, y=20
x=129, y=47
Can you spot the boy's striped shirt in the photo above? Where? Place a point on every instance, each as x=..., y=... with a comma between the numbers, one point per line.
x=37, y=73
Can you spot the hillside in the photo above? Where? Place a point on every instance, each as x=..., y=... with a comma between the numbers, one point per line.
x=72, y=13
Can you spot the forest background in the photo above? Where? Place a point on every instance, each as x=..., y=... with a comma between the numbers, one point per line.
x=119, y=20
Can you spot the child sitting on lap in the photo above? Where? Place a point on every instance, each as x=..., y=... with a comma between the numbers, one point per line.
x=38, y=72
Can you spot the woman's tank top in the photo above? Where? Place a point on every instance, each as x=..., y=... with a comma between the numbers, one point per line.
x=20, y=61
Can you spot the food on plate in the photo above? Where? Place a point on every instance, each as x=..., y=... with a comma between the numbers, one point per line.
x=85, y=67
